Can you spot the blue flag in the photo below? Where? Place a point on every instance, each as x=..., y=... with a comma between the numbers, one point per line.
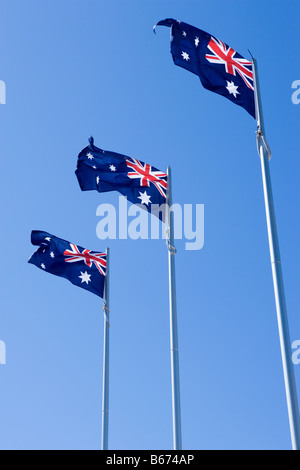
x=140, y=182
x=84, y=268
x=220, y=68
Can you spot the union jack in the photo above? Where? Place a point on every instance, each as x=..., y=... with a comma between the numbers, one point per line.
x=225, y=55
x=99, y=259
x=147, y=175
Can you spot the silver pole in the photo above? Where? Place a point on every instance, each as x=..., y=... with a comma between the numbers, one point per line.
x=284, y=335
x=177, y=439
x=105, y=394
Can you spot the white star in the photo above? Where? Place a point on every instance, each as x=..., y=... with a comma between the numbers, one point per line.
x=43, y=266
x=95, y=168
x=85, y=277
x=232, y=88
x=90, y=156
x=48, y=239
x=98, y=179
x=112, y=167
x=52, y=254
x=185, y=56
x=145, y=198
x=178, y=21
x=184, y=33
x=196, y=42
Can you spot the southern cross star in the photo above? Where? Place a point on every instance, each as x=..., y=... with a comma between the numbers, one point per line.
x=43, y=266
x=85, y=277
x=90, y=156
x=185, y=56
x=112, y=167
x=196, y=42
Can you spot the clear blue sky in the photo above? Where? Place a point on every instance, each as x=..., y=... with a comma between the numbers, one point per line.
x=82, y=67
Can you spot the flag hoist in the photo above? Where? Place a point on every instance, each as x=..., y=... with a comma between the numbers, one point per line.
x=105, y=393
x=223, y=70
x=149, y=188
x=283, y=327
x=86, y=269
x=176, y=409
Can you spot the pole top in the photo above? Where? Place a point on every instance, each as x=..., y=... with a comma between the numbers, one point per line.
x=91, y=140
x=250, y=54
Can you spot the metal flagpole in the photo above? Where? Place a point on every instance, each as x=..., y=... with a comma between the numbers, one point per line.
x=105, y=394
x=177, y=440
x=285, y=342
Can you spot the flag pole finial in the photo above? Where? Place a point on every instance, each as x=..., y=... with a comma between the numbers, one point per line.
x=250, y=54
x=91, y=140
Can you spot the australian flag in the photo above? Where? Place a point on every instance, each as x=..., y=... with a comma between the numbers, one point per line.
x=140, y=182
x=220, y=68
x=84, y=268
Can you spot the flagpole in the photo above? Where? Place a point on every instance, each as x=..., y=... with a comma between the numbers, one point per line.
x=284, y=335
x=105, y=394
x=177, y=439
